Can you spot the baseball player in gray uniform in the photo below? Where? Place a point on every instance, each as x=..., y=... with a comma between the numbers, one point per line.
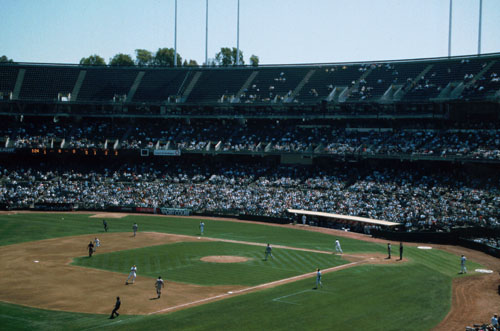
x=463, y=268
x=159, y=284
x=268, y=252
x=318, y=279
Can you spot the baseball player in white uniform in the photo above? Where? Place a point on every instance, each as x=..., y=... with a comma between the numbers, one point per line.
x=159, y=285
x=132, y=274
x=337, y=246
x=97, y=243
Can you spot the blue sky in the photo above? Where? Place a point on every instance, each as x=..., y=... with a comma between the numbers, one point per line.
x=278, y=31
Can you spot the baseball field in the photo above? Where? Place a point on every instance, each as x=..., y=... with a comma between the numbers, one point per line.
x=220, y=280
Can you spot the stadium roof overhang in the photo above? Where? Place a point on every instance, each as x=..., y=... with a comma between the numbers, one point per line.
x=343, y=217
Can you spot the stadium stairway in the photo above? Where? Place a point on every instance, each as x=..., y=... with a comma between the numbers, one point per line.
x=299, y=87
x=457, y=92
x=19, y=84
x=345, y=94
x=78, y=85
x=401, y=93
x=245, y=86
x=191, y=86
x=135, y=85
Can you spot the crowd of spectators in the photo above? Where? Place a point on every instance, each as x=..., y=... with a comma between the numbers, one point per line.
x=417, y=200
x=475, y=142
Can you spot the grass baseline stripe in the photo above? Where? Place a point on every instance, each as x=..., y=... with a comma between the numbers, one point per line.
x=289, y=295
x=278, y=299
x=104, y=325
x=246, y=243
x=285, y=280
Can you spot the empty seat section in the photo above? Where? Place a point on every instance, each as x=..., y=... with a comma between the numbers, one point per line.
x=158, y=84
x=8, y=76
x=216, y=83
x=45, y=83
x=103, y=84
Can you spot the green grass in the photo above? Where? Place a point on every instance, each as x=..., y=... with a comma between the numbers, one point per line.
x=181, y=262
x=366, y=297
x=407, y=296
x=29, y=227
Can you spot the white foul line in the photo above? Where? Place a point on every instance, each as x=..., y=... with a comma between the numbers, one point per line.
x=285, y=280
x=100, y=326
x=290, y=295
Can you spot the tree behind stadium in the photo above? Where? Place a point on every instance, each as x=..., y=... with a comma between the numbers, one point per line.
x=227, y=57
x=93, y=60
x=121, y=59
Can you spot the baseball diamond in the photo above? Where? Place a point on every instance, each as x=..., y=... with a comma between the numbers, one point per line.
x=176, y=252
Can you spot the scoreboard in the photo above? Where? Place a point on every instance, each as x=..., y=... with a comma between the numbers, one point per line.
x=74, y=151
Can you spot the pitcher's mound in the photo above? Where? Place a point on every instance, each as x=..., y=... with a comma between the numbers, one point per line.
x=224, y=259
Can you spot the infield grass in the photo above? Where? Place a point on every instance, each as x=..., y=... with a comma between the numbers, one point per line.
x=181, y=262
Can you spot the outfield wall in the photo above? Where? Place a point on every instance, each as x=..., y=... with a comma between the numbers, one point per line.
x=459, y=237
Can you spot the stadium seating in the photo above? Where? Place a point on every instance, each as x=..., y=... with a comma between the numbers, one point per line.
x=415, y=142
x=474, y=141
x=423, y=80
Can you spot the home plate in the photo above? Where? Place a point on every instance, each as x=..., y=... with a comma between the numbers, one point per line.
x=484, y=271
x=424, y=247
x=36, y=261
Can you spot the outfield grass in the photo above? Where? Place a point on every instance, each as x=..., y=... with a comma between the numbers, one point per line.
x=407, y=296
x=29, y=227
